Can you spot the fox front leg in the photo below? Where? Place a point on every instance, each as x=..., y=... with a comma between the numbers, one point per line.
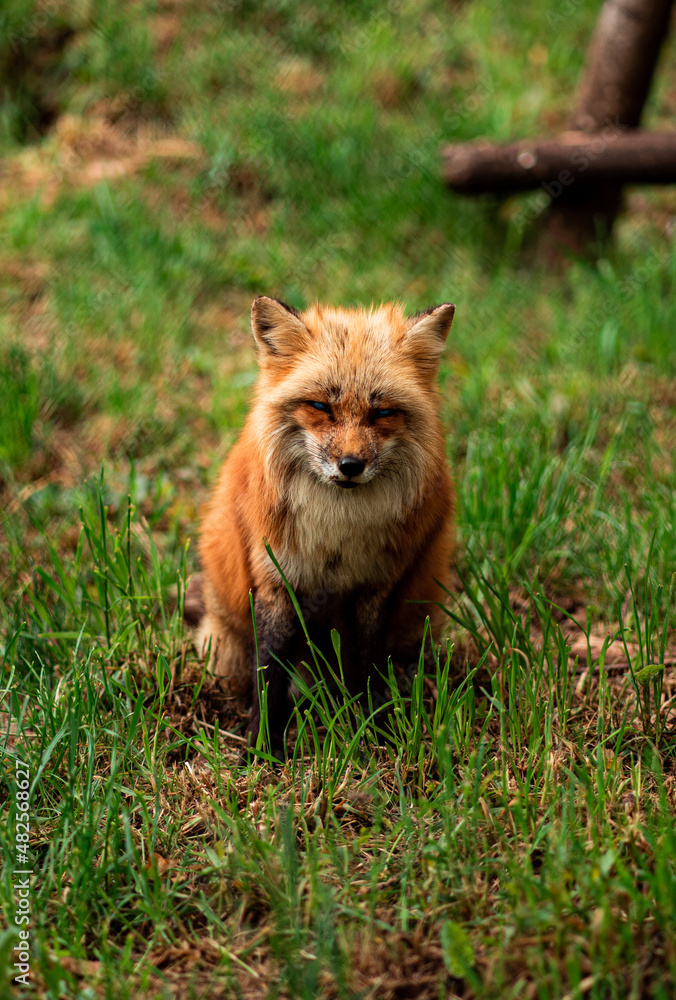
x=369, y=662
x=194, y=607
x=275, y=630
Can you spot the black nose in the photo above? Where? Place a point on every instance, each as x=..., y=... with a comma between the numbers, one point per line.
x=351, y=466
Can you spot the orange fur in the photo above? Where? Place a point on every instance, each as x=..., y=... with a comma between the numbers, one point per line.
x=350, y=386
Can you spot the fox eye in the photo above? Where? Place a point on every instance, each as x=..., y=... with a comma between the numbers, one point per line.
x=383, y=413
x=324, y=407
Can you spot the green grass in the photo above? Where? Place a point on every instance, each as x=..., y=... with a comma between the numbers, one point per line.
x=515, y=838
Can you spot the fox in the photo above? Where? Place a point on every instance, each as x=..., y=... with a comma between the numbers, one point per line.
x=341, y=472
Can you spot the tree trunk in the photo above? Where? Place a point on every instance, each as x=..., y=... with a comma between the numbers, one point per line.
x=619, y=69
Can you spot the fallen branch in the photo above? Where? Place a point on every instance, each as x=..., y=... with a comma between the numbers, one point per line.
x=611, y=155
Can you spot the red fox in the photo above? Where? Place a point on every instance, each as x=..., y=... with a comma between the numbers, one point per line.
x=341, y=467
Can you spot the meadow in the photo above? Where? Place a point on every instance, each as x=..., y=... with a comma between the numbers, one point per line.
x=162, y=164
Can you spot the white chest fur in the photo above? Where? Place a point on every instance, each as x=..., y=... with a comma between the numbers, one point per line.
x=338, y=539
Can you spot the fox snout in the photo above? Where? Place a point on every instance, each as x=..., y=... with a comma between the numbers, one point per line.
x=353, y=455
x=350, y=467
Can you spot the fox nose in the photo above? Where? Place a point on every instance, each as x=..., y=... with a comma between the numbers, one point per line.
x=351, y=466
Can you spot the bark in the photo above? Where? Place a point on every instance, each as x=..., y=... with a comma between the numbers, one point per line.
x=612, y=157
x=619, y=69
x=620, y=63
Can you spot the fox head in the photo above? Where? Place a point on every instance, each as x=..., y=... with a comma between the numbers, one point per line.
x=347, y=397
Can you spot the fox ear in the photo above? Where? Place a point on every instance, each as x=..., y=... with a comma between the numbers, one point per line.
x=426, y=334
x=277, y=328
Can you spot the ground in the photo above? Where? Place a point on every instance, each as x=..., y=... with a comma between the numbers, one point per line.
x=162, y=164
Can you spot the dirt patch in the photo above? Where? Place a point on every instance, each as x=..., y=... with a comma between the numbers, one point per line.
x=81, y=152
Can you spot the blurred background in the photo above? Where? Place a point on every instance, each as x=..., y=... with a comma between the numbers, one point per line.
x=165, y=162
x=162, y=163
